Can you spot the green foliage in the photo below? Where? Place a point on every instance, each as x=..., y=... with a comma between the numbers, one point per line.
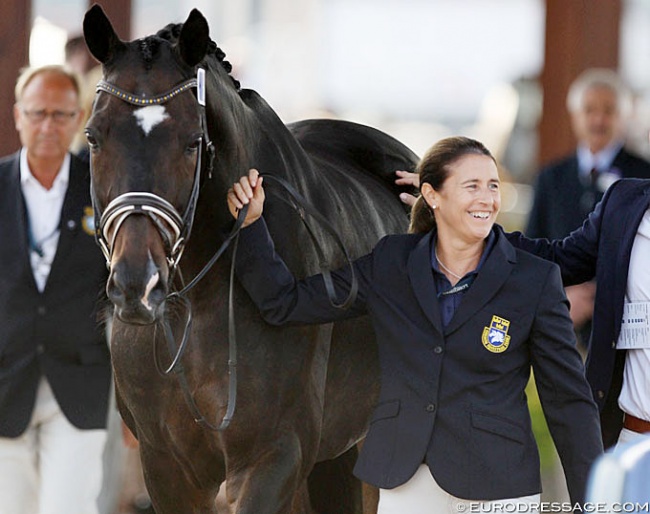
x=540, y=428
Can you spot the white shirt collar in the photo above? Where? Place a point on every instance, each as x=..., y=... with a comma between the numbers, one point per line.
x=602, y=160
x=62, y=177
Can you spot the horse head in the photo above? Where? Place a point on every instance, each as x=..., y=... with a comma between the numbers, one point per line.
x=149, y=146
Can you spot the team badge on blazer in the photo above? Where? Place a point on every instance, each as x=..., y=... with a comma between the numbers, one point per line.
x=495, y=337
x=88, y=221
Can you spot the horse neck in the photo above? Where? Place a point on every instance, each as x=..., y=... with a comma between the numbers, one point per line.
x=246, y=133
x=275, y=146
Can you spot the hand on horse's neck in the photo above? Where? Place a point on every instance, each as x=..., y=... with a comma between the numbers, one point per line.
x=45, y=171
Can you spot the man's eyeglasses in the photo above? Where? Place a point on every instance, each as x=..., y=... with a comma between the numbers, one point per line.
x=58, y=117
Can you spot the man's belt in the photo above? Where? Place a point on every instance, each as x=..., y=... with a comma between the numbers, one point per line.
x=636, y=424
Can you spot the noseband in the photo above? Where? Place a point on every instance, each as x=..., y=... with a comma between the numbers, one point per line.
x=175, y=230
x=173, y=227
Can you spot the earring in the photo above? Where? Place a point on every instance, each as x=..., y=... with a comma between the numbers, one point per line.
x=434, y=206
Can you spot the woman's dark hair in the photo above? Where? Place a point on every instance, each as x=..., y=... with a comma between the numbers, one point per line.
x=433, y=169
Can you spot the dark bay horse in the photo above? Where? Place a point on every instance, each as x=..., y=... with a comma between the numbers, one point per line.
x=170, y=131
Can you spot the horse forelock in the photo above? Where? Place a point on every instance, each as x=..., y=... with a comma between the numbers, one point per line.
x=172, y=32
x=148, y=49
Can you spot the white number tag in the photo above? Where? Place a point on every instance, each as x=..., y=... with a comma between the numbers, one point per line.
x=635, y=327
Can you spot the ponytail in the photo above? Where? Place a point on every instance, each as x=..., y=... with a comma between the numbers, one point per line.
x=422, y=219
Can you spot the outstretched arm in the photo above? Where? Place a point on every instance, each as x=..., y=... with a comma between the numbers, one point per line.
x=281, y=298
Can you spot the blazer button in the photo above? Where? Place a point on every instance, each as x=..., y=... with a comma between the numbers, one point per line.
x=40, y=349
x=437, y=349
x=431, y=407
x=600, y=394
x=41, y=310
x=613, y=344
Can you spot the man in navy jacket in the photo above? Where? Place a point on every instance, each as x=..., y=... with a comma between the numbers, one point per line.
x=566, y=190
x=54, y=361
x=612, y=246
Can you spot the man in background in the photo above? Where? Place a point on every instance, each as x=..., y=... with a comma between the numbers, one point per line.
x=566, y=191
x=54, y=361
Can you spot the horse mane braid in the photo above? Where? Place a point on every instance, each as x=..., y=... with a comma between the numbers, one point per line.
x=149, y=47
x=172, y=32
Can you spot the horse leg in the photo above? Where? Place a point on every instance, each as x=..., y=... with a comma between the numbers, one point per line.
x=170, y=488
x=333, y=488
x=370, y=499
x=269, y=480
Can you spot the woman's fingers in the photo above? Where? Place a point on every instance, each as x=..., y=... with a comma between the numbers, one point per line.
x=407, y=178
x=247, y=190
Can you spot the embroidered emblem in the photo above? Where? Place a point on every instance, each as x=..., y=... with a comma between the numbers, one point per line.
x=88, y=221
x=495, y=337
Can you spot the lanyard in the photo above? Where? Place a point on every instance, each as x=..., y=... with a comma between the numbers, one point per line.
x=37, y=246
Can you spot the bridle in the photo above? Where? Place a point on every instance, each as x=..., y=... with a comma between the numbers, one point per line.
x=174, y=228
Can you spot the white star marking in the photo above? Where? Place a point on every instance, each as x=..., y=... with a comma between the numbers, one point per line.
x=150, y=116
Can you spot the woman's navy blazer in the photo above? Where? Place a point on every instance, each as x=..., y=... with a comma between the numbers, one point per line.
x=601, y=248
x=452, y=397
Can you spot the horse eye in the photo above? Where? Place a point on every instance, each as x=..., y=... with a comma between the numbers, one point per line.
x=194, y=145
x=92, y=142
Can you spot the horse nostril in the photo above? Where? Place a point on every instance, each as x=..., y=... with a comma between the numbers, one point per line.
x=136, y=295
x=115, y=290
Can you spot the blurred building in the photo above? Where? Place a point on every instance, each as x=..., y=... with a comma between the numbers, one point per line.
x=418, y=69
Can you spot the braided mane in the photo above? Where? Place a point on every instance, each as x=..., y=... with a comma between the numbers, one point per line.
x=171, y=33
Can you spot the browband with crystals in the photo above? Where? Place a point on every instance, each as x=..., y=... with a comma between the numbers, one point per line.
x=102, y=85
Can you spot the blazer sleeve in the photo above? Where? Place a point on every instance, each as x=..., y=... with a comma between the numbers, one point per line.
x=566, y=399
x=281, y=298
x=577, y=253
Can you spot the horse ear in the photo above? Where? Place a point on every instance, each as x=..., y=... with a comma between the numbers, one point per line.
x=100, y=37
x=194, y=38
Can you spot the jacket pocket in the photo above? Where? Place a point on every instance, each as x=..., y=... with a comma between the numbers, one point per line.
x=385, y=410
x=499, y=426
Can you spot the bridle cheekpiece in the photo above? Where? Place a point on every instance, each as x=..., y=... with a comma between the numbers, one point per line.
x=173, y=227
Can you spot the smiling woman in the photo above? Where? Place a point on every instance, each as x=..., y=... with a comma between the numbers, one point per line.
x=457, y=342
x=463, y=191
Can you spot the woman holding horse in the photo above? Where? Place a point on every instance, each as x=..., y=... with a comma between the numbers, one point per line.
x=461, y=317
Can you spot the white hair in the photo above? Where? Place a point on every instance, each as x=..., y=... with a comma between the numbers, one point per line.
x=599, y=77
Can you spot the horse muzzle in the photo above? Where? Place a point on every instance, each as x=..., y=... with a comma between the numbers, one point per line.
x=137, y=296
x=137, y=283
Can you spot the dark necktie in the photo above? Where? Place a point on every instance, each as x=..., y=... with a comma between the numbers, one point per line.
x=593, y=178
x=592, y=194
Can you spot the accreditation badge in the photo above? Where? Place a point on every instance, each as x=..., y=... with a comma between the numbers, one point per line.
x=495, y=337
x=88, y=221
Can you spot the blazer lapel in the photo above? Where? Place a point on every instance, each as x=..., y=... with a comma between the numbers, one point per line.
x=421, y=277
x=13, y=214
x=630, y=218
x=72, y=215
x=493, y=274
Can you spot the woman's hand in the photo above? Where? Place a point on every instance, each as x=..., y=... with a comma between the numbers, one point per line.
x=247, y=191
x=407, y=178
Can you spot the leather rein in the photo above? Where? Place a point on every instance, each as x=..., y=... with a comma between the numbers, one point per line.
x=175, y=229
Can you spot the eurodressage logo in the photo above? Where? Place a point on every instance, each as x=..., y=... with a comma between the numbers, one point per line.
x=495, y=337
x=88, y=221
